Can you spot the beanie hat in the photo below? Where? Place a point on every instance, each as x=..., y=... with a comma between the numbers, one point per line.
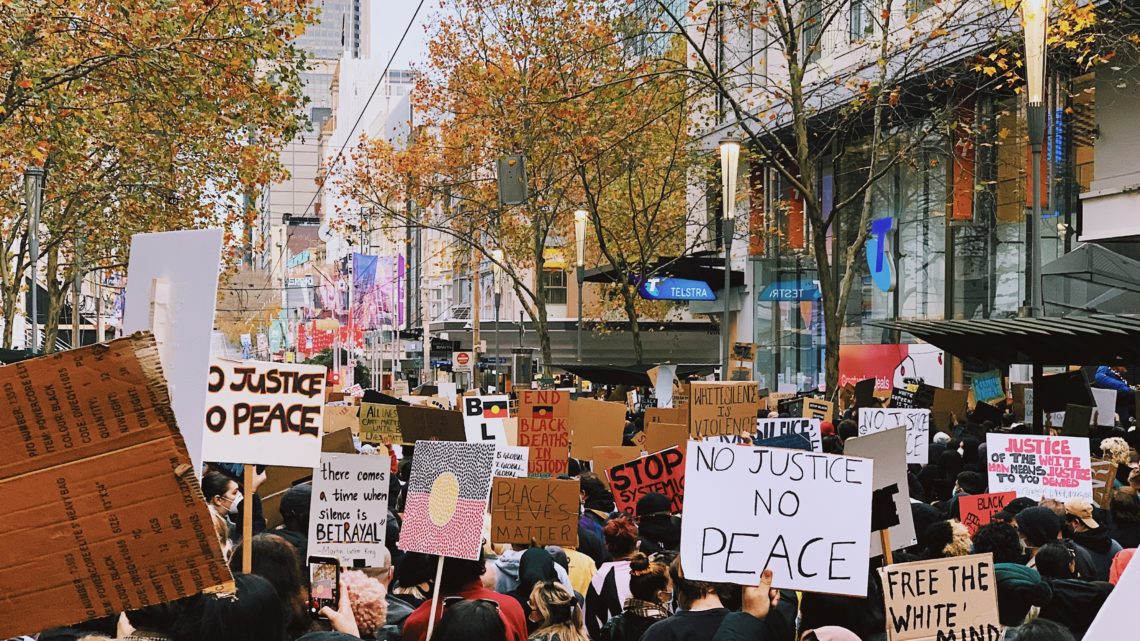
x=1039, y=525
x=827, y=428
x=1018, y=504
x=942, y=438
x=297, y=499
x=1019, y=588
x=653, y=503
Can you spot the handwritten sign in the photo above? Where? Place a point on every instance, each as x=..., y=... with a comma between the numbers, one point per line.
x=1103, y=475
x=902, y=398
x=987, y=387
x=535, y=509
x=379, y=423
x=952, y=599
x=804, y=515
x=269, y=413
x=510, y=461
x=484, y=418
x=916, y=423
x=1056, y=467
x=349, y=510
x=543, y=428
x=662, y=472
x=977, y=509
x=818, y=409
x=723, y=408
x=767, y=428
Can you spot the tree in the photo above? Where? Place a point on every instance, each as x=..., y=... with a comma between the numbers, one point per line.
x=147, y=117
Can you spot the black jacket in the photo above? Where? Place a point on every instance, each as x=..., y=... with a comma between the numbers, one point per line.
x=779, y=625
x=626, y=626
x=1075, y=603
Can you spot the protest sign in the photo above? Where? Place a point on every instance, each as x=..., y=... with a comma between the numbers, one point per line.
x=818, y=409
x=429, y=424
x=888, y=451
x=594, y=423
x=662, y=377
x=608, y=456
x=400, y=388
x=975, y=510
x=1116, y=618
x=172, y=290
x=916, y=423
x=278, y=478
x=379, y=424
x=805, y=516
x=484, y=416
x=924, y=396
x=952, y=599
x=787, y=441
x=662, y=436
x=532, y=509
x=865, y=393
x=261, y=412
x=543, y=416
x=987, y=387
x=901, y=398
x=662, y=472
x=1056, y=467
x=1105, y=400
x=672, y=415
x=1103, y=475
x=510, y=460
x=349, y=509
x=723, y=408
x=107, y=515
x=947, y=402
x=1077, y=420
x=767, y=428
x=339, y=417
x=447, y=498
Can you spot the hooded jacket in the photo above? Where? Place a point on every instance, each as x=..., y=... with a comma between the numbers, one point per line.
x=1100, y=548
x=1075, y=603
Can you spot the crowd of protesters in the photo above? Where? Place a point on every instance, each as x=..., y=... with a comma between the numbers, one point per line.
x=1055, y=565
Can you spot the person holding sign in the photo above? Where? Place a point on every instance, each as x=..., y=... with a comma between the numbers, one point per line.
x=462, y=578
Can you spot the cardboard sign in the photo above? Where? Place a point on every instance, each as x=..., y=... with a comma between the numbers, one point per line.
x=1103, y=475
x=609, y=456
x=593, y=424
x=349, y=511
x=1077, y=420
x=673, y=415
x=429, y=424
x=888, y=451
x=484, y=418
x=943, y=599
x=260, y=412
x=107, y=514
x=662, y=472
x=723, y=408
x=901, y=398
x=924, y=396
x=339, y=417
x=379, y=424
x=947, y=402
x=662, y=436
x=744, y=351
x=976, y=510
x=543, y=417
x=1056, y=467
x=915, y=422
x=987, y=387
x=446, y=498
x=172, y=290
x=818, y=409
x=805, y=516
x=544, y=511
x=510, y=461
x=865, y=393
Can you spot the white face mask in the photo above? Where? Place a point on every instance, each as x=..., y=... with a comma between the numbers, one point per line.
x=233, y=509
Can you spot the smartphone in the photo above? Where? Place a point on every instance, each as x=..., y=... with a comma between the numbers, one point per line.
x=324, y=584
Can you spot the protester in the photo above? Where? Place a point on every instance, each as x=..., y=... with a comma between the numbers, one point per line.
x=700, y=613
x=556, y=614
x=396, y=610
x=253, y=613
x=368, y=598
x=1075, y=602
x=658, y=528
x=535, y=566
x=467, y=620
x=1119, y=564
x=945, y=539
x=1001, y=540
x=461, y=578
x=1125, y=511
x=1087, y=534
x=1042, y=630
x=597, y=504
x=294, y=509
x=277, y=560
x=1019, y=589
x=580, y=568
x=223, y=496
x=864, y=616
x=610, y=586
x=650, y=595
x=414, y=578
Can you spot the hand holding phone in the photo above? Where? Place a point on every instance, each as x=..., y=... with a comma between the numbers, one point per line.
x=324, y=584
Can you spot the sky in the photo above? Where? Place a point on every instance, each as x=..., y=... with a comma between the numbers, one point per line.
x=389, y=19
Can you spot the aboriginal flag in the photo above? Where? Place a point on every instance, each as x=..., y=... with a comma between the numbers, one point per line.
x=542, y=411
x=447, y=497
x=494, y=409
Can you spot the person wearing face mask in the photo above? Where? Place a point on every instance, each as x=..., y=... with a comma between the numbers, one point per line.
x=223, y=497
x=651, y=594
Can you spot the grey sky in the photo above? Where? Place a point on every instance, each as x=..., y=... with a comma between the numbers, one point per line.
x=389, y=19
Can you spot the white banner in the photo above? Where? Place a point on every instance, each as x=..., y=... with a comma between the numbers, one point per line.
x=350, y=508
x=916, y=422
x=483, y=418
x=511, y=460
x=805, y=516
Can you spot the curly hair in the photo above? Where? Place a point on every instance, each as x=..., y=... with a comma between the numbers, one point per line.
x=1116, y=450
x=621, y=536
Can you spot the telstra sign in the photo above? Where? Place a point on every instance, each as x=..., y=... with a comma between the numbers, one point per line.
x=879, y=256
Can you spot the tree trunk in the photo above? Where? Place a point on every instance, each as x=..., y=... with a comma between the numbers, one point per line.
x=13, y=282
x=630, y=305
x=56, y=289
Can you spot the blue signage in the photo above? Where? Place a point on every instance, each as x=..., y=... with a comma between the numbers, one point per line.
x=791, y=290
x=674, y=289
x=879, y=257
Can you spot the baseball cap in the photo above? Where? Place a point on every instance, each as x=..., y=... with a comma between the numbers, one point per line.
x=1081, y=510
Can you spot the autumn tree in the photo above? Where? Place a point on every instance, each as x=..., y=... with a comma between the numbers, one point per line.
x=147, y=117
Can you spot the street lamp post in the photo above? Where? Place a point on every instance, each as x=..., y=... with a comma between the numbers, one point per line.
x=1035, y=20
x=497, y=277
x=729, y=159
x=33, y=199
x=580, y=246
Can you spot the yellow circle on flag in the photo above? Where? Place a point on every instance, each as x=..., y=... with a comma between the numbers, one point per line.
x=444, y=496
x=494, y=409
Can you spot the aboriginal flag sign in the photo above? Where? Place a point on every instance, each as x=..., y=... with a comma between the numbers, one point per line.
x=447, y=497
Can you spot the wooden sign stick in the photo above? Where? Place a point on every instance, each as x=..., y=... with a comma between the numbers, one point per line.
x=885, y=539
x=247, y=519
x=434, y=598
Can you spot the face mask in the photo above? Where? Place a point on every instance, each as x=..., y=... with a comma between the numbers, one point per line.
x=234, y=504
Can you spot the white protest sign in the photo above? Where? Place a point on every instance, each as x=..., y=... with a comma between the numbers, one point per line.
x=510, y=460
x=483, y=418
x=1039, y=467
x=916, y=422
x=663, y=376
x=1105, y=406
x=888, y=450
x=172, y=288
x=350, y=509
x=805, y=516
x=772, y=427
x=1117, y=617
x=268, y=413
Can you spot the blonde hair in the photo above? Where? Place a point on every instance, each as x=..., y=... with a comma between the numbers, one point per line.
x=1116, y=450
x=561, y=614
x=959, y=544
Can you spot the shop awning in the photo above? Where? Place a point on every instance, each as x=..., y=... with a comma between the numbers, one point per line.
x=633, y=375
x=1098, y=339
x=707, y=267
